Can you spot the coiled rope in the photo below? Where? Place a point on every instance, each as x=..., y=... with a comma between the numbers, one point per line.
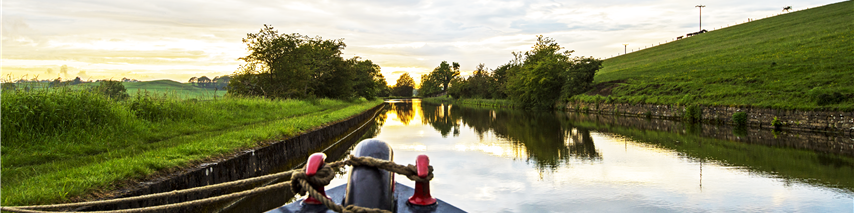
x=300, y=183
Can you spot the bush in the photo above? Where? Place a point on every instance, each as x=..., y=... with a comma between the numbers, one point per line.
x=824, y=97
x=693, y=113
x=739, y=118
x=153, y=108
x=113, y=89
x=776, y=123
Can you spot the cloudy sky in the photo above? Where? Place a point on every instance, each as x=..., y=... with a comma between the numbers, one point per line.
x=179, y=39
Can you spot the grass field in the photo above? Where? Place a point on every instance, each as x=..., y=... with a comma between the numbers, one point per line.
x=800, y=60
x=173, y=88
x=169, y=88
x=59, y=144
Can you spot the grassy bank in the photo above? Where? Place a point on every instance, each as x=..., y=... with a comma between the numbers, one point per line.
x=60, y=144
x=799, y=60
x=503, y=103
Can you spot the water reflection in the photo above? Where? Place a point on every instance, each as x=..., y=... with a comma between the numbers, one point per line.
x=403, y=111
x=497, y=160
x=811, y=158
x=547, y=140
x=441, y=118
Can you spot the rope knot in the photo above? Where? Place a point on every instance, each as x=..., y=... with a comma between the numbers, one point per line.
x=410, y=171
x=321, y=178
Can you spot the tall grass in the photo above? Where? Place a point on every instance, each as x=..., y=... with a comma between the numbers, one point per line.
x=800, y=60
x=58, y=144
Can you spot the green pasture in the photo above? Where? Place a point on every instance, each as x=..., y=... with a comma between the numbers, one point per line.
x=174, y=89
x=799, y=60
x=168, y=88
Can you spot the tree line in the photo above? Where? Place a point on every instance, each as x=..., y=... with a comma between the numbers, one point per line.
x=218, y=82
x=298, y=66
x=537, y=78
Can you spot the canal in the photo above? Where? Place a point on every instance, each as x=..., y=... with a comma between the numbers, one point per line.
x=504, y=160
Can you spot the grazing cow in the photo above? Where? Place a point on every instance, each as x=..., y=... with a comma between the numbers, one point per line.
x=787, y=8
x=703, y=31
x=680, y=37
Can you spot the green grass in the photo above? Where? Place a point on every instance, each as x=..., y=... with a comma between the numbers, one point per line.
x=59, y=144
x=790, y=61
x=161, y=87
x=173, y=88
x=474, y=102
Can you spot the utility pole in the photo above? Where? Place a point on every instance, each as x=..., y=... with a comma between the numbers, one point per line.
x=624, y=48
x=701, y=15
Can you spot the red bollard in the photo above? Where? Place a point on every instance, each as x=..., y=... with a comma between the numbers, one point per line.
x=422, y=195
x=315, y=162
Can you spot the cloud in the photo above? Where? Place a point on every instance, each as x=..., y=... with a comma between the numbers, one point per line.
x=82, y=75
x=179, y=39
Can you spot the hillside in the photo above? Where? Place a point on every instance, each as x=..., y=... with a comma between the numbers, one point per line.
x=172, y=88
x=799, y=60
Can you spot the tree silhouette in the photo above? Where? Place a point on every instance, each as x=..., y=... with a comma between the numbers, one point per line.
x=404, y=86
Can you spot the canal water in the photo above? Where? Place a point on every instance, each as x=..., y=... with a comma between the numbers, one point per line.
x=504, y=160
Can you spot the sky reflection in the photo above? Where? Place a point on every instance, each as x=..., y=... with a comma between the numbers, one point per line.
x=530, y=162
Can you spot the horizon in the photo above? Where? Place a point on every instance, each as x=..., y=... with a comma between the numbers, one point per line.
x=162, y=40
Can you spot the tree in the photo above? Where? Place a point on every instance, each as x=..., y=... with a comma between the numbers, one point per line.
x=538, y=82
x=480, y=84
x=113, y=89
x=579, y=77
x=193, y=80
x=297, y=66
x=546, y=72
x=221, y=82
x=405, y=85
x=444, y=73
x=430, y=85
x=76, y=81
x=203, y=81
x=56, y=82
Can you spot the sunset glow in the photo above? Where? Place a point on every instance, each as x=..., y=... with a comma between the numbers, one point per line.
x=180, y=39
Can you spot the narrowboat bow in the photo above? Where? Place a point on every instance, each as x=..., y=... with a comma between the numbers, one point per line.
x=372, y=187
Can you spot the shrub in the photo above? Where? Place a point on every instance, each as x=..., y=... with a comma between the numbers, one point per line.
x=776, y=123
x=693, y=113
x=153, y=108
x=113, y=89
x=824, y=97
x=739, y=118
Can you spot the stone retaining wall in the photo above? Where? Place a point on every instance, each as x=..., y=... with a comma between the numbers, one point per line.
x=249, y=163
x=815, y=141
x=813, y=121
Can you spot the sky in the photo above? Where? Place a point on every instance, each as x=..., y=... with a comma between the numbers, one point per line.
x=179, y=39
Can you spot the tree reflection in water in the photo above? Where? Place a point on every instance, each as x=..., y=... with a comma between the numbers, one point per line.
x=404, y=111
x=549, y=141
x=440, y=118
